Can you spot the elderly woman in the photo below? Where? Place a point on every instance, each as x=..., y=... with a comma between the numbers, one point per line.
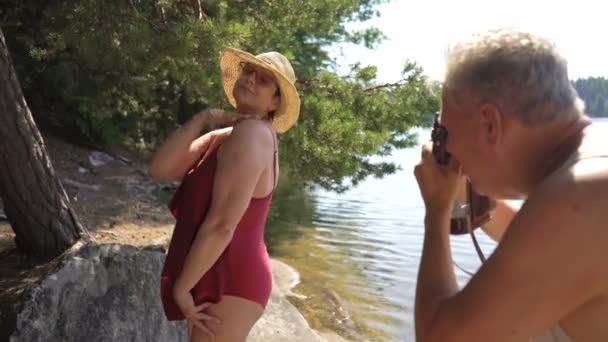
x=217, y=272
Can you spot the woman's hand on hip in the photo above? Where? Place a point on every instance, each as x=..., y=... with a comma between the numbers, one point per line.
x=195, y=314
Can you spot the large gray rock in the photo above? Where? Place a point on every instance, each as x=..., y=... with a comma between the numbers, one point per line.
x=111, y=293
x=100, y=293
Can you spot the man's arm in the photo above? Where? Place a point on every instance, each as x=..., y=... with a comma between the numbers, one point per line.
x=436, y=278
x=502, y=215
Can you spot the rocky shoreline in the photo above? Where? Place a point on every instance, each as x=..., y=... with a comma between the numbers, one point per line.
x=109, y=292
x=282, y=321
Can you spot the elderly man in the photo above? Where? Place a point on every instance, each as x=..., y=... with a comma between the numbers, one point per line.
x=516, y=128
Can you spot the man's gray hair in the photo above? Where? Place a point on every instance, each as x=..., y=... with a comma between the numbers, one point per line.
x=520, y=72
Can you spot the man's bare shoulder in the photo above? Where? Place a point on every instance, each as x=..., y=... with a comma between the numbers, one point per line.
x=563, y=222
x=583, y=184
x=571, y=201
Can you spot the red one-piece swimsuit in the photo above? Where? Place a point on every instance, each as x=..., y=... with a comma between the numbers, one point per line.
x=243, y=269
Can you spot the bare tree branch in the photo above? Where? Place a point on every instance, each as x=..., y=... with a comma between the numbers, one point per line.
x=302, y=84
x=383, y=86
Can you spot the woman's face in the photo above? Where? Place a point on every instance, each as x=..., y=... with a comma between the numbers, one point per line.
x=256, y=90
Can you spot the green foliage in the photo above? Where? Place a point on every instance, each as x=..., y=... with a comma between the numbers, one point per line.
x=121, y=73
x=130, y=71
x=349, y=119
x=594, y=91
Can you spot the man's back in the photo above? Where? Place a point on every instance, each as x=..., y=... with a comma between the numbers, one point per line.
x=586, y=172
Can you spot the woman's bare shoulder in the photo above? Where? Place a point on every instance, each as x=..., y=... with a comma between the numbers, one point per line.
x=252, y=132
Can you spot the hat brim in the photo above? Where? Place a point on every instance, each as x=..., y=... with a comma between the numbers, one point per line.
x=288, y=112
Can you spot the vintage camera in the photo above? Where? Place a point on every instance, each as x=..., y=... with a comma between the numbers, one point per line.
x=439, y=134
x=475, y=211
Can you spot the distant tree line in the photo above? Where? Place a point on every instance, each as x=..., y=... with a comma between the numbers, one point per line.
x=594, y=91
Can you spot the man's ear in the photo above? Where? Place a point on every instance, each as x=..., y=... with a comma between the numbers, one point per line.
x=491, y=123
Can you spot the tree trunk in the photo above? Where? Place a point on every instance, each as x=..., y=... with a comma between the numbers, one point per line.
x=34, y=200
x=197, y=8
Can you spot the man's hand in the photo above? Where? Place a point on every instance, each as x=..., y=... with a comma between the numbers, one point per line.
x=438, y=184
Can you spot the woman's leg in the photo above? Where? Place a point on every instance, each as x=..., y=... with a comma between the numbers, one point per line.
x=237, y=316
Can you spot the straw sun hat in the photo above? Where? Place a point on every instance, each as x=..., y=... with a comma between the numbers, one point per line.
x=230, y=64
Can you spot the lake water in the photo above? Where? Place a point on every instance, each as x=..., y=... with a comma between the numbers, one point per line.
x=360, y=251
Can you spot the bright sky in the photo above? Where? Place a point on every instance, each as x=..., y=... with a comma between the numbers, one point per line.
x=421, y=30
